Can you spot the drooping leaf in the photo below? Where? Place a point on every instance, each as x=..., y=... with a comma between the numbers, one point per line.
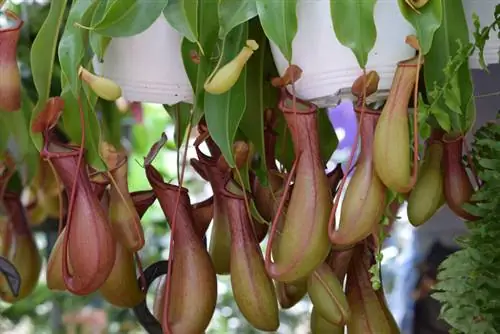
x=358, y=32
x=180, y=114
x=98, y=42
x=42, y=56
x=442, y=118
x=426, y=21
x=111, y=122
x=234, y=12
x=83, y=103
x=73, y=54
x=452, y=97
x=183, y=17
x=198, y=66
x=259, y=94
x=71, y=51
x=21, y=132
x=279, y=21
x=223, y=112
x=447, y=68
x=124, y=18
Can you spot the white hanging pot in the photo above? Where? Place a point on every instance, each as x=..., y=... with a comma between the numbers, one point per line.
x=148, y=66
x=329, y=68
x=484, y=10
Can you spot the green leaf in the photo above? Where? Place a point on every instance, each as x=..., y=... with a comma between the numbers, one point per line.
x=15, y=183
x=426, y=21
x=183, y=17
x=233, y=13
x=16, y=126
x=72, y=55
x=84, y=103
x=72, y=48
x=442, y=118
x=223, y=112
x=258, y=72
x=98, y=42
x=358, y=32
x=279, y=21
x=452, y=97
x=446, y=65
x=198, y=73
x=4, y=136
x=42, y=57
x=492, y=164
x=125, y=18
x=425, y=130
x=180, y=114
x=111, y=122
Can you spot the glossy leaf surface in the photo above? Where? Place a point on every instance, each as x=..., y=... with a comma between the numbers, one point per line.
x=224, y=112
x=426, y=21
x=233, y=13
x=279, y=21
x=358, y=32
x=124, y=18
x=183, y=17
x=42, y=56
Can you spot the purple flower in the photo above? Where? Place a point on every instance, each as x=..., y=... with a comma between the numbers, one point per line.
x=344, y=122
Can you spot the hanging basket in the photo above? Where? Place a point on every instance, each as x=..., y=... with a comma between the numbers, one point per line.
x=329, y=68
x=484, y=10
x=148, y=66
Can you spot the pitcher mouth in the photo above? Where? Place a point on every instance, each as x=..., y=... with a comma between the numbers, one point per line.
x=18, y=22
x=62, y=149
x=367, y=111
x=450, y=138
x=301, y=105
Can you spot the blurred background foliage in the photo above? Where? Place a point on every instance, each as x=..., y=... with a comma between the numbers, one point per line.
x=44, y=310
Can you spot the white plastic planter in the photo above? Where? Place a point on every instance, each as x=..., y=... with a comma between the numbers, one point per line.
x=484, y=10
x=148, y=66
x=329, y=68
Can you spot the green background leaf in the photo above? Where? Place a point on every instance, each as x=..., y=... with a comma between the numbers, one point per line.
x=42, y=56
x=279, y=21
x=125, y=18
x=180, y=114
x=73, y=54
x=72, y=48
x=260, y=94
x=233, y=13
x=223, y=112
x=354, y=26
x=458, y=88
x=99, y=42
x=111, y=122
x=15, y=131
x=425, y=23
x=197, y=73
x=442, y=118
x=183, y=17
